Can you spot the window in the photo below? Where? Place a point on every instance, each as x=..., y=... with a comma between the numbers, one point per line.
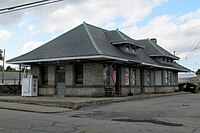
x=167, y=59
x=44, y=71
x=130, y=49
x=148, y=77
x=158, y=77
x=61, y=74
x=163, y=58
x=133, y=79
x=78, y=74
x=169, y=78
x=106, y=76
x=127, y=48
x=133, y=49
x=174, y=78
x=166, y=77
x=126, y=76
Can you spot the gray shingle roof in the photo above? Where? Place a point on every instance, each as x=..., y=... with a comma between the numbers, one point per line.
x=90, y=41
x=117, y=37
x=74, y=43
x=155, y=50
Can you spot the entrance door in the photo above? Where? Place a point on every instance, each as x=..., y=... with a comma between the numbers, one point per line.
x=60, y=79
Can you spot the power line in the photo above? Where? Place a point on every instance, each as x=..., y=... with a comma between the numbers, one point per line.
x=193, y=50
x=27, y=5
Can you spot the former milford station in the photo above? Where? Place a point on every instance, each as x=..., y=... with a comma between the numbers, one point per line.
x=87, y=59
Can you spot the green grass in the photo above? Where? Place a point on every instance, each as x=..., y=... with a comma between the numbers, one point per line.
x=10, y=94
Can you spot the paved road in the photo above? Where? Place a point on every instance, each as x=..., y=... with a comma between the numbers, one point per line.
x=178, y=114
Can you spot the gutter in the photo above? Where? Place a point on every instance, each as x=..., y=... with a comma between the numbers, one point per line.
x=67, y=58
x=92, y=57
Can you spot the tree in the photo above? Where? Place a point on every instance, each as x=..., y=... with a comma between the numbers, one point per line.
x=198, y=72
x=10, y=69
x=1, y=54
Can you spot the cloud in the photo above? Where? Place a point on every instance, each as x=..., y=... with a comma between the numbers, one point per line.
x=174, y=33
x=29, y=46
x=4, y=35
x=68, y=14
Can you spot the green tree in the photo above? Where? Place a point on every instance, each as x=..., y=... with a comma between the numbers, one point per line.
x=198, y=72
x=10, y=69
x=1, y=68
x=1, y=54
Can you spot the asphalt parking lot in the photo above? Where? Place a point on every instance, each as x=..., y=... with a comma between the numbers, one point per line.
x=170, y=114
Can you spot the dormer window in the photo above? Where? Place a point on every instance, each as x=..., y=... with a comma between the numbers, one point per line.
x=133, y=49
x=127, y=48
x=163, y=58
x=130, y=49
x=166, y=60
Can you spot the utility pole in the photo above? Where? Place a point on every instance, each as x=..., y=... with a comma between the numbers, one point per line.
x=3, y=59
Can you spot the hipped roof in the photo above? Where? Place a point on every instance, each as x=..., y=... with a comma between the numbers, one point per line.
x=90, y=42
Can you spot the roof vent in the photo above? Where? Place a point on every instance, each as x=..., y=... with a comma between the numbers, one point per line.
x=154, y=40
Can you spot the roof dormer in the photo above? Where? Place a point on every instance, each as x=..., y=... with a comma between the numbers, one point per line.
x=125, y=43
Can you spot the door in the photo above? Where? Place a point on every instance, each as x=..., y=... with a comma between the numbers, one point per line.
x=60, y=79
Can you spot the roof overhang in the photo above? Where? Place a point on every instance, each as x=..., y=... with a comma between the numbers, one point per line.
x=161, y=55
x=165, y=67
x=91, y=57
x=68, y=58
x=128, y=42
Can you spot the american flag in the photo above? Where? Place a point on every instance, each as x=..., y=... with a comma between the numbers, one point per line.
x=112, y=73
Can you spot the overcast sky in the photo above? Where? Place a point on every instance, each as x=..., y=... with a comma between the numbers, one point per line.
x=175, y=23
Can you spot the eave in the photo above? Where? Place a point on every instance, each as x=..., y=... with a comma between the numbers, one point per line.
x=162, y=55
x=127, y=42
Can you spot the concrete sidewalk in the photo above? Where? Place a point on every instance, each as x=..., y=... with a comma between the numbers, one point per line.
x=60, y=104
x=32, y=108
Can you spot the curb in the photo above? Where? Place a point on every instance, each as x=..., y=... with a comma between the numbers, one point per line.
x=31, y=108
x=76, y=105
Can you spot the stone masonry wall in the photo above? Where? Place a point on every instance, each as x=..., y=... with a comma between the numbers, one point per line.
x=92, y=78
x=35, y=71
x=51, y=75
x=69, y=74
x=92, y=74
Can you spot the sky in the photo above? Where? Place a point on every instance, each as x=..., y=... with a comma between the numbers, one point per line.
x=174, y=23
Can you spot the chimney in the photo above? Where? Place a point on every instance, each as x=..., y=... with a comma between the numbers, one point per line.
x=154, y=40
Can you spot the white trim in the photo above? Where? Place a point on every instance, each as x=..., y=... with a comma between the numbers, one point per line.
x=159, y=66
x=161, y=55
x=68, y=58
x=91, y=57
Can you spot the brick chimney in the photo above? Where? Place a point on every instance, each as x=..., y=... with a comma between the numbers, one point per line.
x=154, y=40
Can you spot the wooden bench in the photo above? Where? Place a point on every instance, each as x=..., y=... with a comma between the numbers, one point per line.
x=109, y=91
